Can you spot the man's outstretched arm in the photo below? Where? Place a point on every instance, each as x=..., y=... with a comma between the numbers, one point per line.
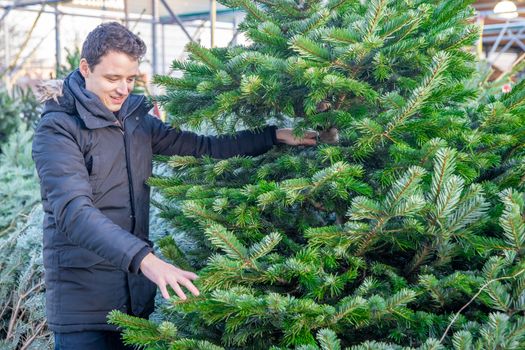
x=171, y=141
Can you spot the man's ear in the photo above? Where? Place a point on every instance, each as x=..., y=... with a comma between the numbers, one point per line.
x=83, y=67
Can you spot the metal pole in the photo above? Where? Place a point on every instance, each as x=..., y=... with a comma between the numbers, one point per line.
x=213, y=20
x=126, y=14
x=6, y=52
x=57, y=40
x=154, y=36
x=498, y=40
x=481, y=23
x=4, y=15
x=235, y=29
x=163, y=33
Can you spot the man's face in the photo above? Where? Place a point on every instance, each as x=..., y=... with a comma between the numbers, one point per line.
x=112, y=79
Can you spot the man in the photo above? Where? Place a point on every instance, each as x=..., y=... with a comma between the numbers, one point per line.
x=93, y=150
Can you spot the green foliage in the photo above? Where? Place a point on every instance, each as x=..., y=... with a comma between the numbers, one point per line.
x=18, y=107
x=22, y=312
x=22, y=307
x=72, y=63
x=22, y=318
x=406, y=233
x=20, y=191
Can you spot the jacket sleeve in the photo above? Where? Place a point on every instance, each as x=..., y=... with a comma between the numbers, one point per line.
x=65, y=185
x=169, y=141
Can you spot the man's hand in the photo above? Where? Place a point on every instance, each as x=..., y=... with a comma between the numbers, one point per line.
x=285, y=136
x=162, y=274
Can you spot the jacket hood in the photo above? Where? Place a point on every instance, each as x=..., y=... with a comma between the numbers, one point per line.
x=70, y=96
x=49, y=90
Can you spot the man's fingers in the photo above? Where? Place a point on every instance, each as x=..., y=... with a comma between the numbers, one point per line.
x=190, y=275
x=164, y=291
x=309, y=142
x=310, y=135
x=306, y=142
x=309, y=139
x=189, y=286
x=178, y=290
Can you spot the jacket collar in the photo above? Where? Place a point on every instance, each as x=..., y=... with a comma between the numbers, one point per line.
x=132, y=111
x=71, y=96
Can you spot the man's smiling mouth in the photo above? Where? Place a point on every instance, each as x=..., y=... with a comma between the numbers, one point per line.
x=117, y=99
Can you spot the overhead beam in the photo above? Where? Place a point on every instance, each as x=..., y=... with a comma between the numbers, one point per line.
x=489, y=40
x=496, y=27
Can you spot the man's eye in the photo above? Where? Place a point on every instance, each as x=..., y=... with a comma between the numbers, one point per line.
x=113, y=80
x=131, y=80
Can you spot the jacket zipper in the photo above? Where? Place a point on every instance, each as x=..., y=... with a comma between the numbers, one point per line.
x=128, y=159
x=131, y=192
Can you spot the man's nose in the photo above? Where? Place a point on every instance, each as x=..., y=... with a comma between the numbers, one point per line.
x=122, y=88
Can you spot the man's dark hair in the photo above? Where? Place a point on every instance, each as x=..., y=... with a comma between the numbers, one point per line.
x=108, y=37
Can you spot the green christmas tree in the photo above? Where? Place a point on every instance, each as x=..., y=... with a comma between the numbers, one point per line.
x=403, y=229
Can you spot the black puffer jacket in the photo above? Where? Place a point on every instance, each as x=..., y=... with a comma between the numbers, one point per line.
x=92, y=174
